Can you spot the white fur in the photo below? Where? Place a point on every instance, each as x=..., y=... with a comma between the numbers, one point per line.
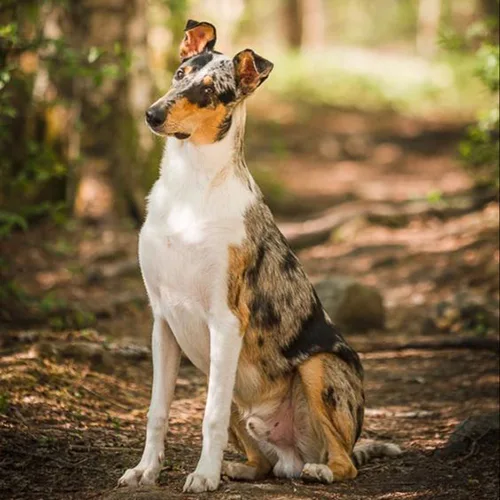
x=194, y=214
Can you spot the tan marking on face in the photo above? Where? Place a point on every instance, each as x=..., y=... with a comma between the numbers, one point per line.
x=208, y=80
x=188, y=69
x=202, y=123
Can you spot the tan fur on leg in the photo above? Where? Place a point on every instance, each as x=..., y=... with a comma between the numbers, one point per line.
x=334, y=420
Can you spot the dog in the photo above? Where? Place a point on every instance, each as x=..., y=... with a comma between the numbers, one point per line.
x=226, y=289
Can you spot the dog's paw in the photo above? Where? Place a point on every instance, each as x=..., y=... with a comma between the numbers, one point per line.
x=238, y=471
x=318, y=473
x=139, y=476
x=198, y=483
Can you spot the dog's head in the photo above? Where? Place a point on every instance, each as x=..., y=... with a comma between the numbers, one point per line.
x=206, y=87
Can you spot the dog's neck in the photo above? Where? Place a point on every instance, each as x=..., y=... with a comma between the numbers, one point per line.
x=207, y=163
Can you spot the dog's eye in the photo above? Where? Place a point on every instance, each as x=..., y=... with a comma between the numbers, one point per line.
x=209, y=90
x=179, y=74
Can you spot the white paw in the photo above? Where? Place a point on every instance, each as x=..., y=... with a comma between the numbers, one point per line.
x=198, y=483
x=139, y=476
x=239, y=471
x=317, y=472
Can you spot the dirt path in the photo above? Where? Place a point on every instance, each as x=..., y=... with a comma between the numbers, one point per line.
x=74, y=393
x=69, y=433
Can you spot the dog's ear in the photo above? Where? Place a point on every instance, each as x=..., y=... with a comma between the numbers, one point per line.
x=251, y=70
x=197, y=38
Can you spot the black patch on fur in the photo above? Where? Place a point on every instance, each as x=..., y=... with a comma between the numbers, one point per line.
x=224, y=127
x=263, y=314
x=289, y=263
x=317, y=335
x=227, y=96
x=196, y=94
x=200, y=60
x=329, y=397
x=314, y=336
x=254, y=270
x=360, y=415
x=260, y=341
x=350, y=356
x=191, y=23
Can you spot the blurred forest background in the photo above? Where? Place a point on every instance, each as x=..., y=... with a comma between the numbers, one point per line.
x=70, y=69
x=376, y=143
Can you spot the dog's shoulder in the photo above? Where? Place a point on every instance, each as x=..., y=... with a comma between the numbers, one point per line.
x=280, y=313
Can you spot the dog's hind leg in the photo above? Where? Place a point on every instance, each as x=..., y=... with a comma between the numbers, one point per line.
x=257, y=465
x=332, y=390
x=166, y=358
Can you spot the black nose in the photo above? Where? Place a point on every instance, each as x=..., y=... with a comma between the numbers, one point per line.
x=155, y=116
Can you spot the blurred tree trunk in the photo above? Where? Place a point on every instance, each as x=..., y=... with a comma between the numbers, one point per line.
x=313, y=24
x=113, y=147
x=293, y=23
x=490, y=8
x=429, y=13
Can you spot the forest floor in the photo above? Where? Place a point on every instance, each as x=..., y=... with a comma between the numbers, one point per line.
x=378, y=197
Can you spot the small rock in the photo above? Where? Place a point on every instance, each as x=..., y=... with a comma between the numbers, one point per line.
x=484, y=430
x=132, y=352
x=97, y=355
x=351, y=304
x=462, y=313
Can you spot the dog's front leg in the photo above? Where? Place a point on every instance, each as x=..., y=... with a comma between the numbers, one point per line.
x=225, y=345
x=166, y=358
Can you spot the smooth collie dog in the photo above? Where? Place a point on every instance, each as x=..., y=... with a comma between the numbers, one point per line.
x=226, y=290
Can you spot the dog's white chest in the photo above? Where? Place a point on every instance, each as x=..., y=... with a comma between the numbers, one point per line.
x=183, y=252
x=178, y=275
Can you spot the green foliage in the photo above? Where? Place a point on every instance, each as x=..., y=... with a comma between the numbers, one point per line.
x=434, y=197
x=480, y=149
x=4, y=403
x=34, y=165
x=10, y=221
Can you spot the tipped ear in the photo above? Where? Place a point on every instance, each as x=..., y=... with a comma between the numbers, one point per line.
x=197, y=38
x=251, y=70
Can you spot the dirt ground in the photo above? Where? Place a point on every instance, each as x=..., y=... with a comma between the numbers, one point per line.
x=75, y=371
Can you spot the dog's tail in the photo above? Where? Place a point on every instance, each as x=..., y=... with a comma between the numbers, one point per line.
x=364, y=452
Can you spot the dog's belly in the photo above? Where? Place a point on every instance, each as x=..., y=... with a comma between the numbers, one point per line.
x=284, y=432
